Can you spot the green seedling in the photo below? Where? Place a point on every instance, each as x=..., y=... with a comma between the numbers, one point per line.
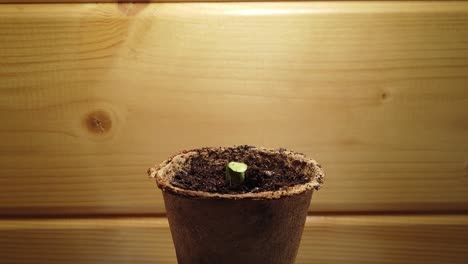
x=235, y=172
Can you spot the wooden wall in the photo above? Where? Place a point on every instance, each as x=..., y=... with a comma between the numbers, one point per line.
x=93, y=94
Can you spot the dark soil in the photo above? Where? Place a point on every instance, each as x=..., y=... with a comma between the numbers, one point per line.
x=264, y=173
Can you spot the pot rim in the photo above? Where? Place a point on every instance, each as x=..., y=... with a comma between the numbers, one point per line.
x=163, y=173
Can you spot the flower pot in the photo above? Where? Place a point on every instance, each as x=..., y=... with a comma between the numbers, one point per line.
x=214, y=228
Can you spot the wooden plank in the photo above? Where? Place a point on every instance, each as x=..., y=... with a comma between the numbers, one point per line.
x=326, y=239
x=91, y=95
x=152, y=1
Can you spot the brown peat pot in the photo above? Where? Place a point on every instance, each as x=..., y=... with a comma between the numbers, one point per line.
x=240, y=228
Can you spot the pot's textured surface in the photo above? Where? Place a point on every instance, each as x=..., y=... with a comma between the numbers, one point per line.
x=247, y=228
x=247, y=231
x=298, y=162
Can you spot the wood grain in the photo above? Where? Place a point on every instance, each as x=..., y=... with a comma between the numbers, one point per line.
x=156, y=1
x=332, y=239
x=91, y=95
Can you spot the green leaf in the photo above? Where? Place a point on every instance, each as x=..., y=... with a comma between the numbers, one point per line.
x=235, y=172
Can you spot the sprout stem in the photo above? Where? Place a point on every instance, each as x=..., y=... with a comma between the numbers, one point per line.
x=235, y=172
